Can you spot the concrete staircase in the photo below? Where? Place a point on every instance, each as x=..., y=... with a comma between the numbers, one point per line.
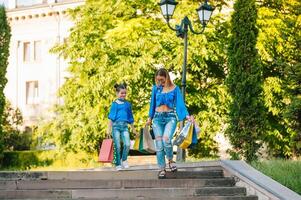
x=138, y=183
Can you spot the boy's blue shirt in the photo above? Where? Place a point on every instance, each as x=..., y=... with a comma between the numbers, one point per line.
x=173, y=99
x=121, y=112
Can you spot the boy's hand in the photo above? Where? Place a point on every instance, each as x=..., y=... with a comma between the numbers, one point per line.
x=108, y=133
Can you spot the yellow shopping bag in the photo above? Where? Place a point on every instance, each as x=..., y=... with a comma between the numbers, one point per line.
x=136, y=143
x=188, y=139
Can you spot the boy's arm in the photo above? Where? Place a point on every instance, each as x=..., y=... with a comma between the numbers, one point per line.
x=109, y=130
x=133, y=128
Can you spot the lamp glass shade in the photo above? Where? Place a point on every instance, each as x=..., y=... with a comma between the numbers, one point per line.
x=167, y=8
x=204, y=13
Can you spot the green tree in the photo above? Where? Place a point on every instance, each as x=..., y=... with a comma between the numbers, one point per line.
x=247, y=120
x=4, y=53
x=279, y=48
x=14, y=139
x=208, y=98
x=114, y=41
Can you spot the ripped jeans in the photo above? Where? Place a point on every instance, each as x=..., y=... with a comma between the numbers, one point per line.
x=164, y=126
x=120, y=130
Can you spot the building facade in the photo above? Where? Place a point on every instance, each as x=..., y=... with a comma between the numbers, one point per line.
x=34, y=74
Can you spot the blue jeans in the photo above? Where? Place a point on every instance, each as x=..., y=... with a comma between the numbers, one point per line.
x=164, y=126
x=120, y=130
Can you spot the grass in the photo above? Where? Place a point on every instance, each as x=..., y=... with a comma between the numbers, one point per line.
x=286, y=172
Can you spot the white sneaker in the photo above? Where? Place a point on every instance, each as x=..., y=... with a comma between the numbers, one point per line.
x=125, y=164
x=119, y=167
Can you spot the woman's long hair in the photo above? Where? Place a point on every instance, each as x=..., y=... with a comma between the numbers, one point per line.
x=163, y=72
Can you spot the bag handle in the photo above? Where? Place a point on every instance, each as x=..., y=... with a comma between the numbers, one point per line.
x=109, y=136
x=150, y=131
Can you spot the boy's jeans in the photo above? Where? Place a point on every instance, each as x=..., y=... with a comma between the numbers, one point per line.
x=164, y=126
x=120, y=129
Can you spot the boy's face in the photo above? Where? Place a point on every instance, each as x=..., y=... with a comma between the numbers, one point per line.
x=121, y=94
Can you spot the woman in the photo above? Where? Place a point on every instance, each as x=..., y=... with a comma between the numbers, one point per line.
x=167, y=107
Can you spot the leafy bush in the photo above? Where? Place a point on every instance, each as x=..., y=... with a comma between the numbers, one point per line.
x=25, y=160
x=48, y=160
x=14, y=139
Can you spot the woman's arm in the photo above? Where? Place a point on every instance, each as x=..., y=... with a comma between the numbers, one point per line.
x=181, y=109
x=152, y=107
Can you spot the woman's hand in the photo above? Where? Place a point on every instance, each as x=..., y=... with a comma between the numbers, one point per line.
x=149, y=121
x=190, y=118
x=135, y=133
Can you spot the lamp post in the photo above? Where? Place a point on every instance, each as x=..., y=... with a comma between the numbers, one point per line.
x=204, y=13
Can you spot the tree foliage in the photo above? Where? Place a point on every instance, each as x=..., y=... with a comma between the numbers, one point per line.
x=4, y=53
x=257, y=53
x=279, y=46
x=247, y=120
x=13, y=137
x=114, y=41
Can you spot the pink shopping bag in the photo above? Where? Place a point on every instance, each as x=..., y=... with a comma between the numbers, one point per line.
x=106, y=151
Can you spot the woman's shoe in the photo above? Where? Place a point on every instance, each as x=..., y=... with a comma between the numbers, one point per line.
x=162, y=174
x=172, y=166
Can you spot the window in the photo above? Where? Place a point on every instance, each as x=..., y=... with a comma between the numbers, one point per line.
x=26, y=51
x=22, y=3
x=32, y=92
x=37, y=50
x=59, y=1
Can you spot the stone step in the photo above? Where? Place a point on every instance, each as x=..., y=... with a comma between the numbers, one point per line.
x=189, y=198
x=140, y=193
x=114, y=184
x=198, y=198
x=174, y=198
x=109, y=175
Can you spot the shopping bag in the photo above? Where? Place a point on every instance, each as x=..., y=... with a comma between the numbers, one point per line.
x=106, y=151
x=194, y=139
x=151, y=131
x=178, y=140
x=197, y=130
x=141, y=146
x=136, y=143
x=148, y=142
x=188, y=139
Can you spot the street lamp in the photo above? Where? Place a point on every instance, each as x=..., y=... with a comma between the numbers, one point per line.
x=204, y=12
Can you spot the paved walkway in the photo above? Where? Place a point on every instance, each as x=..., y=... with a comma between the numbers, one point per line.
x=135, y=162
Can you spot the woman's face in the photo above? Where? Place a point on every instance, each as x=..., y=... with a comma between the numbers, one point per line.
x=121, y=94
x=161, y=80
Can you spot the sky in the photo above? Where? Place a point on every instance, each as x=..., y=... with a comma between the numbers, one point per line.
x=3, y=2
